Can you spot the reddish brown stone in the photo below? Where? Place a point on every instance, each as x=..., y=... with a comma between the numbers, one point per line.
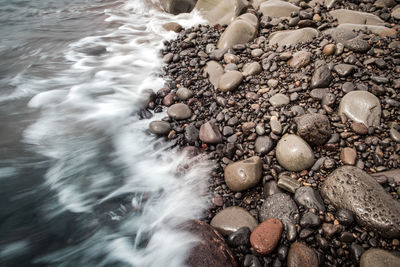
x=211, y=250
x=301, y=255
x=169, y=99
x=359, y=128
x=266, y=236
x=247, y=127
x=348, y=156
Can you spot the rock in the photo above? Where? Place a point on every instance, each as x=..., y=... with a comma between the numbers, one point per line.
x=310, y=219
x=396, y=12
x=177, y=6
x=172, y=26
x=357, y=44
x=361, y=106
x=214, y=71
x=319, y=93
x=275, y=125
x=375, y=257
x=391, y=174
x=210, y=250
x=247, y=127
x=169, y=99
x=288, y=183
x=355, y=17
x=282, y=207
x=252, y=68
x=257, y=52
x=159, y=127
x=348, y=156
x=293, y=153
x=263, y=145
x=240, y=237
x=191, y=134
x=243, y=174
x=218, y=54
x=277, y=9
x=251, y=261
x=220, y=12
x=329, y=49
x=301, y=255
x=348, y=87
x=230, y=81
x=359, y=128
x=279, y=99
x=231, y=219
x=241, y=31
x=331, y=229
x=231, y=58
x=266, y=236
x=292, y=37
x=345, y=217
x=394, y=134
x=344, y=70
x=300, y=59
x=384, y=3
x=315, y=128
x=270, y=188
x=356, y=251
x=352, y=189
x=183, y=93
x=210, y=134
x=382, y=31
x=322, y=77
x=179, y=112
x=309, y=198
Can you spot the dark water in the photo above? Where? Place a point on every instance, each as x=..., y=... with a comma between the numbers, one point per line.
x=81, y=182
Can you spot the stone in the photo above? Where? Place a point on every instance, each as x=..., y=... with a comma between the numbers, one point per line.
x=359, y=128
x=270, y=188
x=179, y=111
x=329, y=49
x=348, y=87
x=356, y=251
x=375, y=257
x=230, y=81
x=384, y=3
x=382, y=31
x=357, y=44
x=322, y=77
x=355, y=17
x=310, y=219
x=292, y=37
x=293, y=153
x=309, y=198
x=244, y=174
x=191, y=134
x=279, y=99
x=210, y=250
x=344, y=70
x=396, y=13
x=301, y=255
x=241, y=237
x=257, y=52
x=319, y=93
x=300, y=59
x=251, y=261
x=178, y=6
x=345, y=217
x=172, y=26
x=315, y=128
x=263, y=145
x=240, y=31
x=210, y=134
x=231, y=219
x=353, y=189
x=265, y=237
x=214, y=71
x=220, y=12
x=218, y=54
x=394, y=134
x=231, y=58
x=282, y=207
x=169, y=99
x=184, y=93
x=391, y=174
x=275, y=125
x=288, y=183
x=278, y=9
x=361, y=106
x=348, y=156
x=160, y=127
x=252, y=68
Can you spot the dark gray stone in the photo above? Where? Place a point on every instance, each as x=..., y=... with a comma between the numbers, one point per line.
x=309, y=198
x=315, y=128
x=322, y=77
x=344, y=70
x=241, y=237
x=263, y=144
x=191, y=134
x=310, y=219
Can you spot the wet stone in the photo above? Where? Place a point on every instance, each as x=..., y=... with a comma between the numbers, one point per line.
x=179, y=112
x=270, y=188
x=184, y=93
x=301, y=255
x=251, y=261
x=265, y=237
x=263, y=145
x=348, y=156
x=345, y=217
x=160, y=127
x=191, y=134
x=344, y=70
x=241, y=237
x=209, y=133
x=231, y=219
x=322, y=77
x=379, y=258
x=287, y=183
x=356, y=251
x=310, y=219
x=243, y=174
x=309, y=198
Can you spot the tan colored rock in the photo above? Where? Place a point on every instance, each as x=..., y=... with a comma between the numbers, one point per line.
x=301, y=255
x=172, y=26
x=244, y=174
x=210, y=134
x=220, y=12
x=179, y=111
x=252, y=68
x=240, y=31
x=230, y=219
x=230, y=81
x=214, y=71
x=278, y=9
x=348, y=156
x=300, y=59
x=329, y=49
x=355, y=17
x=292, y=37
x=382, y=31
x=177, y=6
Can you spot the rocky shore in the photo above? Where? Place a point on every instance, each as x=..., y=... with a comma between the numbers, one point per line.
x=298, y=103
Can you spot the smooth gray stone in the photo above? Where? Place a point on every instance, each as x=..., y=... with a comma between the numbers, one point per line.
x=241, y=31
x=252, y=68
x=350, y=188
x=292, y=37
x=214, y=71
x=231, y=219
x=220, y=12
x=278, y=9
x=263, y=145
x=160, y=127
x=344, y=70
x=184, y=93
x=179, y=112
x=275, y=124
x=243, y=174
x=309, y=198
x=177, y=6
x=279, y=99
x=230, y=81
x=355, y=17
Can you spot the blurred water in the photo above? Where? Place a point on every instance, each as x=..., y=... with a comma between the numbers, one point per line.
x=82, y=183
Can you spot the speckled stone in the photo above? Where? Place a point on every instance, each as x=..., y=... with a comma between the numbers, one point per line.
x=279, y=99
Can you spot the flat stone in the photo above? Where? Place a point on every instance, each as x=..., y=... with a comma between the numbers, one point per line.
x=214, y=71
x=282, y=207
x=220, y=12
x=288, y=183
x=179, y=111
x=382, y=31
x=210, y=134
x=319, y=93
x=240, y=31
x=244, y=174
x=210, y=250
x=252, y=68
x=263, y=145
x=301, y=255
x=376, y=257
x=355, y=17
x=361, y=106
x=353, y=189
x=322, y=77
x=160, y=127
x=344, y=70
x=231, y=219
x=277, y=9
x=309, y=198
x=266, y=236
x=275, y=125
x=279, y=99
x=315, y=128
x=292, y=37
x=184, y=93
x=230, y=81
x=172, y=26
x=293, y=153
x=300, y=59
x=348, y=156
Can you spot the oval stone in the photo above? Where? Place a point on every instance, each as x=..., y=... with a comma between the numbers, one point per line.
x=301, y=255
x=230, y=80
x=293, y=153
x=159, y=127
x=243, y=174
x=266, y=236
x=375, y=257
x=230, y=219
x=179, y=111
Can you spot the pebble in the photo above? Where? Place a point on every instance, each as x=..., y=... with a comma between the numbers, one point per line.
x=243, y=174
x=288, y=183
x=265, y=237
x=314, y=128
x=359, y=128
x=241, y=237
x=179, y=111
x=279, y=99
x=210, y=134
x=275, y=124
x=160, y=127
x=231, y=219
x=214, y=71
x=395, y=134
x=183, y=93
x=344, y=70
x=270, y=188
x=309, y=198
x=310, y=219
x=348, y=156
x=329, y=49
x=345, y=217
x=230, y=81
x=348, y=87
x=301, y=255
x=375, y=257
x=322, y=77
x=191, y=134
x=300, y=59
x=252, y=68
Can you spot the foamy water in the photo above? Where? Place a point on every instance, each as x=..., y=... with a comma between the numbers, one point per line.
x=110, y=190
